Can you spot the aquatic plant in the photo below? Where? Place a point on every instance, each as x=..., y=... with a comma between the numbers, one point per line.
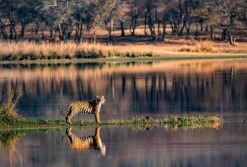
x=8, y=114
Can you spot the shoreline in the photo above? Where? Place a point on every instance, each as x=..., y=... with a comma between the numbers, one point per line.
x=29, y=52
x=128, y=59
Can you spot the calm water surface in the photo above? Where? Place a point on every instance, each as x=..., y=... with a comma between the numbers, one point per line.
x=132, y=88
x=126, y=147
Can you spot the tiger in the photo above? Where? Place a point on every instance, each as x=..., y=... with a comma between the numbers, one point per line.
x=87, y=107
x=87, y=142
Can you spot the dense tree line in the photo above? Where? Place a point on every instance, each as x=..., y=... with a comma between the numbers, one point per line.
x=74, y=19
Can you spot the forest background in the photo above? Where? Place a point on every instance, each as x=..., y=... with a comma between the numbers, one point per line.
x=169, y=23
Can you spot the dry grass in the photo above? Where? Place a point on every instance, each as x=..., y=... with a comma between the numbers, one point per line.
x=202, y=46
x=37, y=51
x=171, y=47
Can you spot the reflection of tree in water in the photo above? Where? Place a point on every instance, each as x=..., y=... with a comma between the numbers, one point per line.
x=8, y=140
x=218, y=91
x=86, y=142
x=130, y=87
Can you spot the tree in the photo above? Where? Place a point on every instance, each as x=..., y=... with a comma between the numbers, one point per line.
x=26, y=14
x=84, y=17
x=3, y=19
x=122, y=9
x=161, y=17
x=227, y=14
x=8, y=18
x=105, y=13
x=149, y=17
x=208, y=13
x=135, y=10
x=59, y=14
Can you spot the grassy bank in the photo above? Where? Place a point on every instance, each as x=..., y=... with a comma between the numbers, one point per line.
x=168, y=121
x=11, y=51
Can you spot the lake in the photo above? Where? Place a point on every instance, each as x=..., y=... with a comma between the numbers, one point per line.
x=153, y=88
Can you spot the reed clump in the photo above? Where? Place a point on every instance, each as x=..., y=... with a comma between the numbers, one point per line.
x=11, y=51
x=8, y=114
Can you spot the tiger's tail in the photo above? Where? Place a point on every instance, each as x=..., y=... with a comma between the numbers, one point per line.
x=65, y=114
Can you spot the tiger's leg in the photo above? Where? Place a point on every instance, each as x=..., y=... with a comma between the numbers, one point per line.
x=69, y=116
x=97, y=119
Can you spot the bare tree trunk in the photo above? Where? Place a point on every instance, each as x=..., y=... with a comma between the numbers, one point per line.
x=3, y=31
x=183, y=26
x=22, y=34
x=12, y=34
x=196, y=29
x=133, y=25
x=201, y=23
x=51, y=32
x=164, y=31
x=151, y=28
x=69, y=31
x=110, y=30
x=77, y=25
x=159, y=31
x=172, y=27
x=145, y=24
x=94, y=36
x=42, y=34
x=59, y=32
x=188, y=28
x=211, y=33
x=80, y=32
x=206, y=28
x=37, y=27
x=122, y=28
x=231, y=38
x=224, y=33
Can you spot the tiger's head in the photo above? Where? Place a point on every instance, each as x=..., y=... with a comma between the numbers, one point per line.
x=99, y=99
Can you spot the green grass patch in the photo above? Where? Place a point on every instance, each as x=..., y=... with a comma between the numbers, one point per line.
x=142, y=122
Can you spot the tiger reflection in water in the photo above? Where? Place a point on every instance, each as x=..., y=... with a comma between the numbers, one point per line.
x=87, y=142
